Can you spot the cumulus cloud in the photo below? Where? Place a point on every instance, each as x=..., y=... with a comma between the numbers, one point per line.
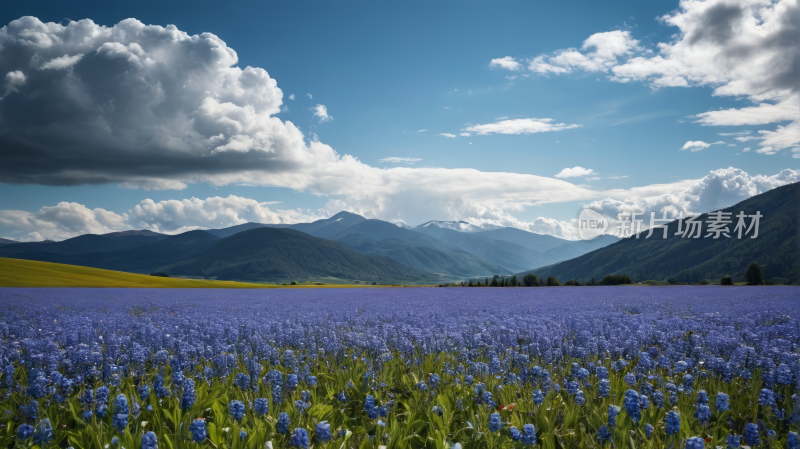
x=322, y=112
x=599, y=53
x=464, y=134
x=507, y=63
x=719, y=189
x=697, y=145
x=574, y=172
x=66, y=220
x=400, y=160
x=291, y=97
x=154, y=107
x=447, y=135
x=745, y=49
x=764, y=113
x=520, y=126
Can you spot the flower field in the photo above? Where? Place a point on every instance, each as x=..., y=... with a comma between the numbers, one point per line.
x=558, y=368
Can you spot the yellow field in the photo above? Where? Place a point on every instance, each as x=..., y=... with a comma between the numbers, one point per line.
x=29, y=273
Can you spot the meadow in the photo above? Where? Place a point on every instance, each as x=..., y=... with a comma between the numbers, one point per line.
x=567, y=367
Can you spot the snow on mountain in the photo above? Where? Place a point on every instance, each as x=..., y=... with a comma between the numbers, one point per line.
x=460, y=226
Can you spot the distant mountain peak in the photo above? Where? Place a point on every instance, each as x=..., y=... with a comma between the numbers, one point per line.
x=460, y=226
x=344, y=214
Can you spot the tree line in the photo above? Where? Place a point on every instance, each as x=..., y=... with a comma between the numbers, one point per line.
x=530, y=280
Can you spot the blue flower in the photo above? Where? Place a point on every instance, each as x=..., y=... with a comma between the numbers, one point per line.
x=722, y=403
x=703, y=413
x=311, y=381
x=102, y=395
x=301, y=406
x=198, y=429
x=783, y=375
x=733, y=441
x=603, y=434
x=189, y=396
x=793, y=441
x=87, y=397
x=528, y=435
x=342, y=397
x=632, y=405
x=323, y=432
x=630, y=379
x=695, y=443
x=437, y=410
x=237, y=409
x=658, y=399
x=572, y=387
x=434, y=380
x=613, y=411
x=299, y=438
x=648, y=430
x=702, y=397
x=751, y=434
x=87, y=415
x=291, y=381
x=115, y=441
x=283, y=423
x=579, y=398
x=149, y=441
x=537, y=397
x=604, y=388
x=120, y=421
x=242, y=435
x=644, y=402
x=101, y=410
x=494, y=422
x=766, y=397
x=25, y=431
x=515, y=435
x=673, y=422
x=261, y=406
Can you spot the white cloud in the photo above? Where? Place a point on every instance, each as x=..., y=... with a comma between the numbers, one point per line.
x=400, y=160
x=447, y=135
x=310, y=97
x=764, y=113
x=422, y=130
x=507, y=63
x=291, y=97
x=697, y=145
x=520, y=126
x=719, y=189
x=574, y=172
x=63, y=62
x=66, y=220
x=155, y=130
x=740, y=48
x=599, y=54
x=746, y=150
x=465, y=134
x=322, y=112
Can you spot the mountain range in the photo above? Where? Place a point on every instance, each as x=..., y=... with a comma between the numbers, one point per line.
x=776, y=248
x=345, y=246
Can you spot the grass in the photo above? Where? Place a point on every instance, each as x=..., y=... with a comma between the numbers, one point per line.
x=30, y=273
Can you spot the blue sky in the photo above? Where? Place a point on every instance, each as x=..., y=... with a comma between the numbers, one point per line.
x=385, y=72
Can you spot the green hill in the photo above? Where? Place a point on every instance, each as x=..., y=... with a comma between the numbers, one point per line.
x=690, y=260
x=275, y=254
x=31, y=273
